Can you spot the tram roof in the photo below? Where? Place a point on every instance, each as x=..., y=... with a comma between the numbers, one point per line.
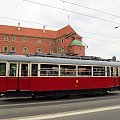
x=37, y=59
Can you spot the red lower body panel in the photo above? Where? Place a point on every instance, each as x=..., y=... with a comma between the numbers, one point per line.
x=70, y=83
x=57, y=83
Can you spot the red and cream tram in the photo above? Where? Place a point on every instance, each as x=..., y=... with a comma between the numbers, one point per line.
x=52, y=75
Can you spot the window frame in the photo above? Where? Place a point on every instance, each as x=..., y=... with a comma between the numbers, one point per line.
x=13, y=38
x=20, y=69
x=5, y=50
x=25, y=39
x=14, y=49
x=6, y=38
x=16, y=69
x=25, y=51
x=38, y=69
x=47, y=74
x=68, y=65
x=6, y=72
x=39, y=49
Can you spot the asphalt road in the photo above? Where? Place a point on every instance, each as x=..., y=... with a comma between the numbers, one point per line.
x=77, y=108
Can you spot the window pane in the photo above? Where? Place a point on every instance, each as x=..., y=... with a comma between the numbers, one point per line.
x=2, y=69
x=112, y=72
x=5, y=38
x=39, y=41
x=13, y=38
x=58, y=51
x=13, y=68
x=39, y=50
x=34, y=70
x=13, y=48
x=49, y=70
x=84, y=71
x=6, y=49
x=66, y=70
x=24, y=69
x=25, y=39
x=51, y=51
x=108, y=71
x=116, y=71
x=98, y=71
x=25, y=50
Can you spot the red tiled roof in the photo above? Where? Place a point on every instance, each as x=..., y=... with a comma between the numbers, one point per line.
x=13, y=30
x=66, y=30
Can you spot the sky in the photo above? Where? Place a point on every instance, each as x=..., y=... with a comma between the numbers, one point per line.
x=94, y=20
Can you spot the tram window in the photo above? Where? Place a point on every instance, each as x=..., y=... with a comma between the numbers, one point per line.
x=49, y=70
x=98, y=71
x=108, y=71
x=84, y=71
x=66, y=70
x=116, y=71
x=112, y=71
x=2, y=69
x=12, y=70
x=24, y=69
x=34, y=70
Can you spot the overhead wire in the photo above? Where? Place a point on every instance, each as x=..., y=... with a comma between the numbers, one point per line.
x=27, y=21
x=79, y=5
x=103, y=35
x=53, y=25
x=46, y=5
x=57, y=27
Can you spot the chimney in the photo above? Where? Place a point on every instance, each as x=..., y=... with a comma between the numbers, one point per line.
x=44, y=29
x=18, y=26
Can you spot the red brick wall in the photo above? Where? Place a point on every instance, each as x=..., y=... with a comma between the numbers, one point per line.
x=32, y=45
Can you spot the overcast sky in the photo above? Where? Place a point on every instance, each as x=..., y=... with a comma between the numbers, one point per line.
x=96, y=28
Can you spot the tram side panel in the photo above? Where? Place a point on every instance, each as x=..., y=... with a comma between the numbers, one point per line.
x=12, y=83
x=70, y=83
x=3, y=84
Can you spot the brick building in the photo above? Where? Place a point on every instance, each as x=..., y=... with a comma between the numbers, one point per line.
x=23, y=40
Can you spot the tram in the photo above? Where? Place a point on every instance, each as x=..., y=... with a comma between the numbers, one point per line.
x=57, y=75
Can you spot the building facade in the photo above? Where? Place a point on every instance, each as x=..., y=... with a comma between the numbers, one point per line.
x=23, y=40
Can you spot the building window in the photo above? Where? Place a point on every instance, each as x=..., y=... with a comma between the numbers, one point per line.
x=52, y=42
x=59, y=41
x=13, y=38
x=70, y=47
x=5, y=48
x=25, y=50
x=39, y=50
x=51, y=51
x=39, y=41
x=62, y=49
x=25, y=39
x=58, y=50
x=62, y=40
x=5, y=38
x=13, y=49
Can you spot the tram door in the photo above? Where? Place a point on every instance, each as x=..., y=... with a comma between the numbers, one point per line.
x=18, y=77
x=12, y=81
x=23, y=77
